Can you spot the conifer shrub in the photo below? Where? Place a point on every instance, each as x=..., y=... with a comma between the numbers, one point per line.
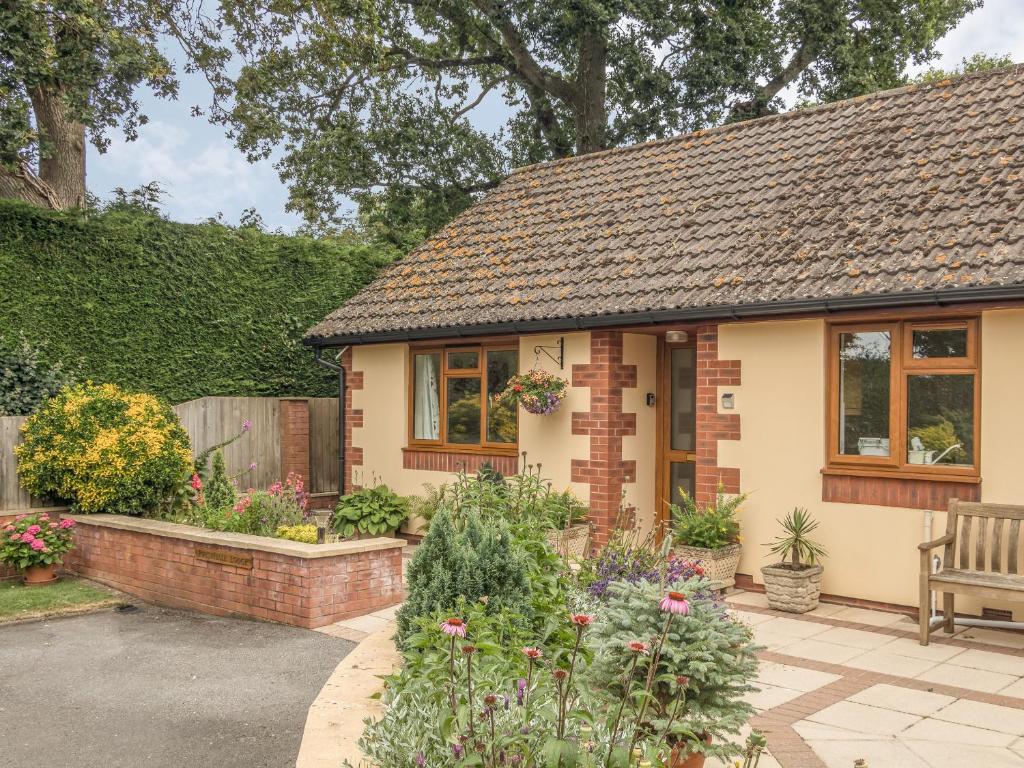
x=478, y=560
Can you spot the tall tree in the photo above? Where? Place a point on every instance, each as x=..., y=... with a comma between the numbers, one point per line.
x=68, y=73
x=376, y=99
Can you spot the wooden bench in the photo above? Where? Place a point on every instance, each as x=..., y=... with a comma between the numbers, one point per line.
x=992, y=534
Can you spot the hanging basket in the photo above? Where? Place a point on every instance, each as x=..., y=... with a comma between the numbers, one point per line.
x=536, y=391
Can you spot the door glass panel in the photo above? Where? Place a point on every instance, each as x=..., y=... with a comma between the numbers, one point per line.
x=502, y=365
x=683, y=406
x=864, y=363
x=939, y=342
x=940, y=419
x=681, y=477
x=464, y=410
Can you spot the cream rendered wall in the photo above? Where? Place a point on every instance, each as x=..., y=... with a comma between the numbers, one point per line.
x=642, y=351
x=549, y=439
x=872, y=550
x=384, y=401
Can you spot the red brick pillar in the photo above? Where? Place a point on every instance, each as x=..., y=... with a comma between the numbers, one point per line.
x=713, y=426
x=295, y=438
x=605, y=471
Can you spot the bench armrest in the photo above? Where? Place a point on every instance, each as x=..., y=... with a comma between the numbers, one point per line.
x=947, y=539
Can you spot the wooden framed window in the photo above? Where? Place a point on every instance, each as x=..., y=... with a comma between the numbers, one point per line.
x=452, y=391
x=905, y=397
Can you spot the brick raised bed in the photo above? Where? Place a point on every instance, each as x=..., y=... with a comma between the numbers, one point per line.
x=305, y=585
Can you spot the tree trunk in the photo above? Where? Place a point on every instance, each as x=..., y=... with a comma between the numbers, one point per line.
x=591, y=87
x=60, y=181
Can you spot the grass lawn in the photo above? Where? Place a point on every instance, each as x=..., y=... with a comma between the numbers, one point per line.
x=65, y=596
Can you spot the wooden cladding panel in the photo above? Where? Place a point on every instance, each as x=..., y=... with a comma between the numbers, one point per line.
x=895, y=491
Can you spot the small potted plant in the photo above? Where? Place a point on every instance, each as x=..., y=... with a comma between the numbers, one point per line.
x=710, y=535
x=536, y=391
x=794, y=583
x=34, y=545
x=371, y=512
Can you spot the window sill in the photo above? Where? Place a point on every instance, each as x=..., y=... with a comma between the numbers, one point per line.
x=970, y=478
x=472, y=450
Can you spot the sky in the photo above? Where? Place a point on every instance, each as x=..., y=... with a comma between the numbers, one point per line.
x=204, y=175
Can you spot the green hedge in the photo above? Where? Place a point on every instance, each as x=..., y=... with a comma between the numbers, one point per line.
x=178, y=310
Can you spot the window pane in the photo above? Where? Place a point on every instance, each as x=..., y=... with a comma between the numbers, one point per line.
x=426, y=420
x=464, y=410
x=939, y=342
x=864, y=360
x=940, y=419
x=681, y=477
x=502, y=365
x=683, y=406
x=463, y=359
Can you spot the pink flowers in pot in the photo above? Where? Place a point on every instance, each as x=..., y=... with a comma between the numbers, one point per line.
x=35, y=540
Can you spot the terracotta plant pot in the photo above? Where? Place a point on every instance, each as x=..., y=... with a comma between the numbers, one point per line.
x=37, y=575
x=687, y=759
x=796, y=591
x=719, y=564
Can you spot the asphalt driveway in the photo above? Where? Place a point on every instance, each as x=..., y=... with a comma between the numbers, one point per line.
x=158, y=688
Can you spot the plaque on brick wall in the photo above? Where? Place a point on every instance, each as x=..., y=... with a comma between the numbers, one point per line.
x=224, y=558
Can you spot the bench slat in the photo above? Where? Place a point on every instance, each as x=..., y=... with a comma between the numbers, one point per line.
x=997, y=543
x=1011, y=555
x=979, y=547
x=978, y=509
x=966, y=523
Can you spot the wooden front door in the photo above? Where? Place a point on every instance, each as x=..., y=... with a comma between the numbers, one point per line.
x=677, y=419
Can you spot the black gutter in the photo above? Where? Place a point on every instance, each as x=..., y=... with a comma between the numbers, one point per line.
x=340, y=370
x=946, y=297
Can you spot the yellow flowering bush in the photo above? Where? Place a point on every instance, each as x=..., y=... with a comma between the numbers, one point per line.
x=102, y=449
x=304, y=533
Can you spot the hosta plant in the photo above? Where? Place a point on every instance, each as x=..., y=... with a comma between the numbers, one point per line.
x=34, y=540
x=371, y=511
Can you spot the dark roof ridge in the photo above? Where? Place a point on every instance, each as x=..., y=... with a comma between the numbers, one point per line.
x=768, y=119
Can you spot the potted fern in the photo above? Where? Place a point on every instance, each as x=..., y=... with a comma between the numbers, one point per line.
x=710, y=535
x=794, y=583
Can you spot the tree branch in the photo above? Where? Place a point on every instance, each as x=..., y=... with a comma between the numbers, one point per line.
x=22, y=184
x=525, y=65
x=757, y=105
x=428, y=63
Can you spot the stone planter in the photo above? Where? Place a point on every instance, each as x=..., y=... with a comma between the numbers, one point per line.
x=572, y=542
x=719, y=564
x=795, y=591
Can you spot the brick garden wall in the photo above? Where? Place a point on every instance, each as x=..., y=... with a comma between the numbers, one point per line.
x=156, y=562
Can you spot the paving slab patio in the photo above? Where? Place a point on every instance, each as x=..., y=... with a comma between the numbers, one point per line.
x=854, y=683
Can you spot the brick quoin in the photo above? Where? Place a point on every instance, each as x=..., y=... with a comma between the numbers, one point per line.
x=713, y=426
x=353, y=420
x=604, y=471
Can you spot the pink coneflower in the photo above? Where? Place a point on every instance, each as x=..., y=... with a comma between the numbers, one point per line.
x=532, y=653
x=675, y=602
x=682, y=681
x=490, y=700
x=454, y=627
x=582, y=619
x=560, y=674
x=639, y=648
x=469, y=650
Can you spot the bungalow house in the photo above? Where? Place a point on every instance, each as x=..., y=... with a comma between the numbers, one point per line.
x=823, y=308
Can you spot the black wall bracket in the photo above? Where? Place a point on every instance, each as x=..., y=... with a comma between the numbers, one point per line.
x=560, y=347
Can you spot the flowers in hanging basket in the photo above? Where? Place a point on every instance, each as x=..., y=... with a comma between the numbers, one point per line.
x=537, y=391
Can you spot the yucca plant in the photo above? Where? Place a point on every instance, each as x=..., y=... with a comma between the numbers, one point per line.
x=795, y=545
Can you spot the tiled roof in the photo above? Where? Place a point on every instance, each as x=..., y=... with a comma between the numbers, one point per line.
x=905, y=191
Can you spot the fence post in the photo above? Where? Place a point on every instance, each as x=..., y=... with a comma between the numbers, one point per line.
x=295, y=437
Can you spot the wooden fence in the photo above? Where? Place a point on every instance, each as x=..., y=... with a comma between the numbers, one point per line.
x=209, y=421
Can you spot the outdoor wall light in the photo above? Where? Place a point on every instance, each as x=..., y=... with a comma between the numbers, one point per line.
x=676, y=337
x=651, y=399
x=728, y=401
